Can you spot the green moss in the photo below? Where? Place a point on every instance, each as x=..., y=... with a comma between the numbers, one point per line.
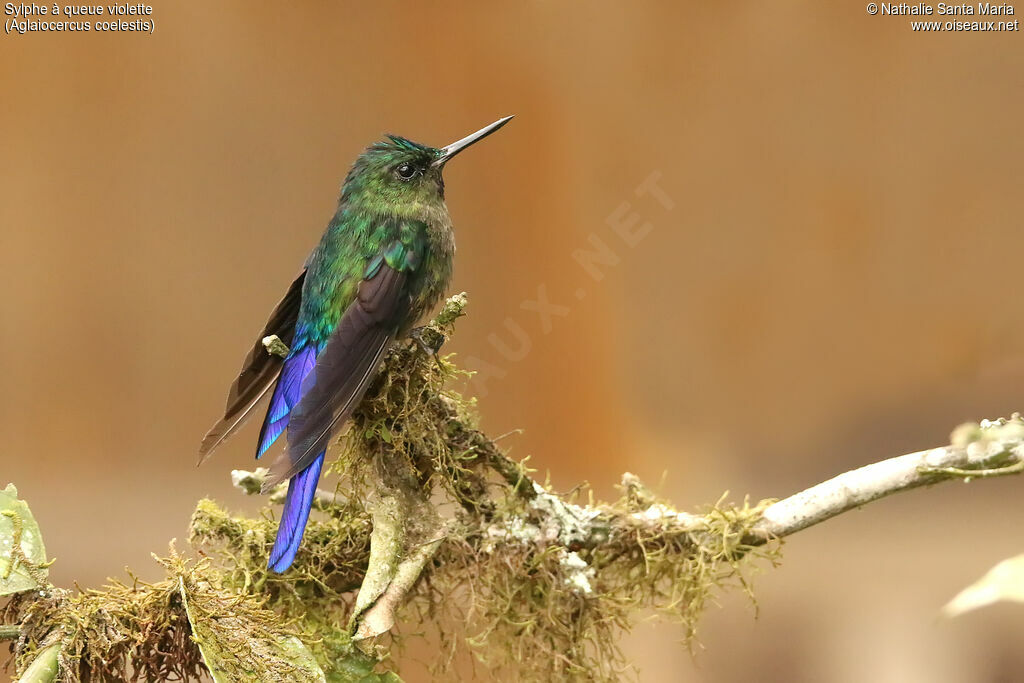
x=411, y=409
x=537, y=611
x=317, y=593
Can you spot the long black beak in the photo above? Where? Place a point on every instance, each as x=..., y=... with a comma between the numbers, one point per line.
x=456, y=147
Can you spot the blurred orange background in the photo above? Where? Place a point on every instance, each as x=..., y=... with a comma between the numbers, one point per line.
x=834, y=283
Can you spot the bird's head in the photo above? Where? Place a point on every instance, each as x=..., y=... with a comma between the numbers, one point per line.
x=397, y=175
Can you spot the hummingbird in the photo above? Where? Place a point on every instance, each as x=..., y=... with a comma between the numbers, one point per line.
x=383, y=262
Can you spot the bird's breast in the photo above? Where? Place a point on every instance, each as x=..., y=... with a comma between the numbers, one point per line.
x=435, y=273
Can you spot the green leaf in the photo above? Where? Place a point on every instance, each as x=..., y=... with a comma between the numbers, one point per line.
x=44, y=667
x=1004, y=582
x=295, y=652
x=236, y=651
x=358, y=668
x=22, y=555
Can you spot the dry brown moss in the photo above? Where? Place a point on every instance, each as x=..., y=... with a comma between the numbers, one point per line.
x=140, y=631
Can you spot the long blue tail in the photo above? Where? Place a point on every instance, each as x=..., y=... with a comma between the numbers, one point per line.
x=301, y=489
x=302, y=486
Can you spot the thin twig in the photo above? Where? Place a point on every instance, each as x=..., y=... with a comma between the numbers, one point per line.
x=998, y=453
x=251, y=482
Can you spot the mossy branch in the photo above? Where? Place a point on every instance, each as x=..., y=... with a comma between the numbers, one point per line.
x=436, y=527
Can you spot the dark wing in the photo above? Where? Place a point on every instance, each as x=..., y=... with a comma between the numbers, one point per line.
x=344, y=369
x=259, y=370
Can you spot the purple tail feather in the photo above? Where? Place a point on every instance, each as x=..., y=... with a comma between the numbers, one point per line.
x=301, y=489
x=286, y=395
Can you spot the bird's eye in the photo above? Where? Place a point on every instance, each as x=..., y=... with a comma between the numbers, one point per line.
x=406, y=171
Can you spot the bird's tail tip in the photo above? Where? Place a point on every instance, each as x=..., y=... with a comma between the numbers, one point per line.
x=301, y=489
x=279, y=564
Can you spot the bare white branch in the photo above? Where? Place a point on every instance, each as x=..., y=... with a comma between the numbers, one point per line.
x=989, y=449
